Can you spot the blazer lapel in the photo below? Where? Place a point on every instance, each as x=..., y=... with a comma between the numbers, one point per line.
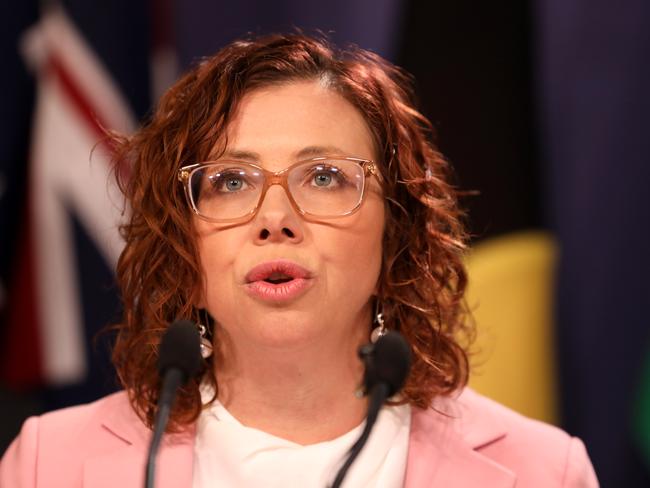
x=125, y=464
x=443, y=450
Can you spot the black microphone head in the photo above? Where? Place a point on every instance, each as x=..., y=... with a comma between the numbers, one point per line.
x=180, y=348
x=389, y=362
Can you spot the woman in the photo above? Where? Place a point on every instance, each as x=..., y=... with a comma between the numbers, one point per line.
x=286, y=197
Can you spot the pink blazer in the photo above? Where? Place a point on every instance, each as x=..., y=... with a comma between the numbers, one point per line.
x=478, y=443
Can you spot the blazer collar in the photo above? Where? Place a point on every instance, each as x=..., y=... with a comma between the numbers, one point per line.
x=125, y=464
x=444, y=447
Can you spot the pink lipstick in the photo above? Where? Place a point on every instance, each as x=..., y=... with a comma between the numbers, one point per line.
x=278, y=281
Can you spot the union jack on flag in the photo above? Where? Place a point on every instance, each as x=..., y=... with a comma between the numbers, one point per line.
x=62, y=289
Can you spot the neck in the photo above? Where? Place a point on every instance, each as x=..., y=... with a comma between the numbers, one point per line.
x=303, y=394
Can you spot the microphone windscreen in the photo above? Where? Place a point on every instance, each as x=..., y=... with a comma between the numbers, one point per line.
x=392, y=360
x=180, y=348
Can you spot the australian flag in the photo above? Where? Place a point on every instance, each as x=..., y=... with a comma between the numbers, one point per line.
x=87, y=72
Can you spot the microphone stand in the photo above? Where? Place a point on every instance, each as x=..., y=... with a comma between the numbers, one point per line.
x=378, y=396
x=387, y=363
x=179, y=359
x=173, y=379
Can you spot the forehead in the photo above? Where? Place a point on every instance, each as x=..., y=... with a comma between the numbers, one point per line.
x=280, y=123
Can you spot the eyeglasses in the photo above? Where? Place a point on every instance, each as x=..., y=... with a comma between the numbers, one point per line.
x=230, y=191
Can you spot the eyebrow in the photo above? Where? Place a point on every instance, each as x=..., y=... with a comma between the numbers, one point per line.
x=303, y=153
x=240, y=154
x=319, y=151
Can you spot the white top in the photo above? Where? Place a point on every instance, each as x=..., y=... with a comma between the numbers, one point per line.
x=228, y=454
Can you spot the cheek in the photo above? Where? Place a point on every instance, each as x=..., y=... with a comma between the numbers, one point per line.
x=217, y=265
x=355, y=253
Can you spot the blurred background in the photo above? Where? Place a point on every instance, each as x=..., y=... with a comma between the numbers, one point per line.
x=541, y=105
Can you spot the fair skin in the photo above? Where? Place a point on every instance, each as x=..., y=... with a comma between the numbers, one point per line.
x=285, y=367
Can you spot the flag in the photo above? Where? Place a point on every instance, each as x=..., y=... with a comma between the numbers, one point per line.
x=62, y=289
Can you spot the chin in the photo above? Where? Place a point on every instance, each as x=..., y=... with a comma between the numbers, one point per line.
x=280, y=329
x=285, y=330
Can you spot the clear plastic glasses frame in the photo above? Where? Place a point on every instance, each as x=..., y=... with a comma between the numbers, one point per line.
x=271, y=178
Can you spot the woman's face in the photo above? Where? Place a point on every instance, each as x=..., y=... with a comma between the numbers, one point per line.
x=334, y=263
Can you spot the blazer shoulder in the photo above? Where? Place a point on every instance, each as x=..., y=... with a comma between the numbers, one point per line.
x=477, y=411
x=533, y=449
x=70, y=420
x=61, y=438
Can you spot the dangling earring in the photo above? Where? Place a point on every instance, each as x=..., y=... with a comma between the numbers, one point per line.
x=206, y=345
x=380, y=330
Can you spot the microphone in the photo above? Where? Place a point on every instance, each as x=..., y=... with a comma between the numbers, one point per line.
x=387, y=363
x=179, y=360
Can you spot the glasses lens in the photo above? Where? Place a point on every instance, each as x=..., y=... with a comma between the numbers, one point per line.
x=225, y=191
x=327, y=187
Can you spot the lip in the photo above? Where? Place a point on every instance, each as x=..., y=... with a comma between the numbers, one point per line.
x=255, y=285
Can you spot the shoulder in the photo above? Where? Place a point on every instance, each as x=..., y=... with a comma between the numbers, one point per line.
x=63, y=437
x=531, y=449
x=78, y=423
x=478, y=413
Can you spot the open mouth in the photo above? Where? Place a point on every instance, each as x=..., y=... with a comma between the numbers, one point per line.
x=278, y=281
x=278, y=278
x=277, y=272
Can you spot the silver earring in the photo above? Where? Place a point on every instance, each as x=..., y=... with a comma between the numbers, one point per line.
x=380, y=329
x=206, y=345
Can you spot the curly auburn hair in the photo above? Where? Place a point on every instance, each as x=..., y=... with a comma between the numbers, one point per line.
x=422, y=278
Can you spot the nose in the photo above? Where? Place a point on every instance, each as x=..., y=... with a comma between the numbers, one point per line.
x=276, y=220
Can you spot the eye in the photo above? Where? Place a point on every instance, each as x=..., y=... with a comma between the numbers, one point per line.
x=230, y=181
x=322, y=179
x=233, y=184
x=326, y=176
